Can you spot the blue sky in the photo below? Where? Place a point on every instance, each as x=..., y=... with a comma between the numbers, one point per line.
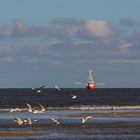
x=57, y=41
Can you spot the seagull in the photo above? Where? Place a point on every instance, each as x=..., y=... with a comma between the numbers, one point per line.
x=38, y=110
x=55, y=121
x=85, y=119
x=19, y=121
x=113, y=108
x=35, y=110
x=15, y=109
x=38, y=89
x=73, y=96
x=42, y=108
x=57, y=88
x=30, y=109
x=27, y=121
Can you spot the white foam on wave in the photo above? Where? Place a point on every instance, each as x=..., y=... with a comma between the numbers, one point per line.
x=104, y=107
x=84, y=107
x=8, y=109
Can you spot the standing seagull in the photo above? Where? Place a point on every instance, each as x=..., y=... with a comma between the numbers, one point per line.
x=83, y=120
x=55, y=121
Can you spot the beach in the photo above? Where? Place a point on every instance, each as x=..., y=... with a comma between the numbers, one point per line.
x=105, y=123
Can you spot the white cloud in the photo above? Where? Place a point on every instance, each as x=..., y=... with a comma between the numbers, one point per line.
x=99, y=28
x=125, y=47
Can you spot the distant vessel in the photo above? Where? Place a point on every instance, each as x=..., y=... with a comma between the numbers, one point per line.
x=90, y=83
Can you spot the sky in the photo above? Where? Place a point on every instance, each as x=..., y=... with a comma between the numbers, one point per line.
x=56, y=42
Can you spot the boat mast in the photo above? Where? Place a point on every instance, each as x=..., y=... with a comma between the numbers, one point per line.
x=90, y=77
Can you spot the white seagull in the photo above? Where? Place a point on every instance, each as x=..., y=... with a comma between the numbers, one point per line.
x=30, y=109
x=57, y=88
x=83, y=120
x=73, y=96
x=42, y=108
x=27, y=121
x=35, y=110
x=15, y=109
x=38, y=89
x=19, y=121
x=113, y=108
x=55, y=121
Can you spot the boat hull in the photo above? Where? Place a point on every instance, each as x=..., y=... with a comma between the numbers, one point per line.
x=91, y=87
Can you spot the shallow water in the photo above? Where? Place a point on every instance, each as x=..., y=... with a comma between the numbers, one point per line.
x=107, y=122
x=71, y=127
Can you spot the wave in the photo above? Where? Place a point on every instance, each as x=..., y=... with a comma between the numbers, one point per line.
x=84, y=107
x=104, y=107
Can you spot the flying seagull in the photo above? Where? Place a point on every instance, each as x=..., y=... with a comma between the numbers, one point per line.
x=73, y=96
x=55, y=121
x=30, y=109
x=57, y=88
x=38, y=89
x=83, y=120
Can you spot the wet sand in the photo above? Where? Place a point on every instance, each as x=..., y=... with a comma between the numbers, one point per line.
x=112, y=114
x=20, y=134
x=87, y=129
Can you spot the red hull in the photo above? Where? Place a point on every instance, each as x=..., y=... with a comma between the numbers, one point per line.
x=91, y=87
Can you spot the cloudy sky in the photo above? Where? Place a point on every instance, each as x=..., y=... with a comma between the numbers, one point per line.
x=58, y=41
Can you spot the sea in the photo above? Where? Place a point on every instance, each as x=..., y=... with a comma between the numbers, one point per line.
x=114, y=114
